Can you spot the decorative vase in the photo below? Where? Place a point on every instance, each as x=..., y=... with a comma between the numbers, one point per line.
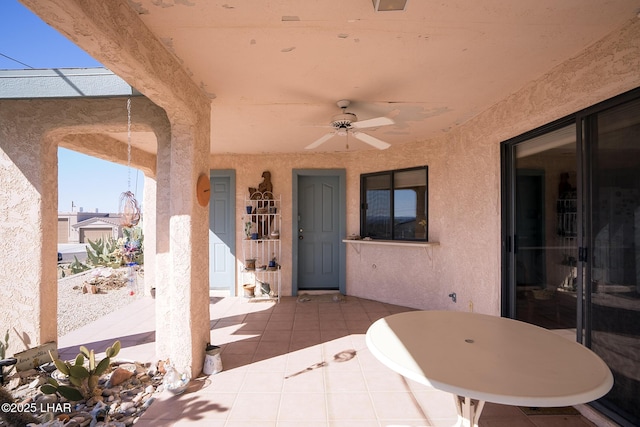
x=175, y=381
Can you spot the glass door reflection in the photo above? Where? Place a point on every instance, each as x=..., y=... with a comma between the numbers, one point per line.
x=546, y=246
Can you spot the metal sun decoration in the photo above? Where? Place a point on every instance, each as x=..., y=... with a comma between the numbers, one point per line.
x=129, y=208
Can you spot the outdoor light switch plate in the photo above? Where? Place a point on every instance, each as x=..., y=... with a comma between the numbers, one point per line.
x=203, y=190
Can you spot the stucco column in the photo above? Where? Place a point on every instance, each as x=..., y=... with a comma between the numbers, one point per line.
x=189, y=242
x=162, y=268
x=28, y=230
x=149, y=232
x=182, y=248
x=132, y=51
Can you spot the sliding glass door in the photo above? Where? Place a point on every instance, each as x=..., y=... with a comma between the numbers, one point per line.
x=544, y=234
x=571, y=234
x=613, y=300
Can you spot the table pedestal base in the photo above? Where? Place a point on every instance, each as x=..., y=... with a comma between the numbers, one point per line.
x=469, y=411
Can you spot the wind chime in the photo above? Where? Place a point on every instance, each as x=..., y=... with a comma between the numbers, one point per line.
x=129, y=211
x=129, y=208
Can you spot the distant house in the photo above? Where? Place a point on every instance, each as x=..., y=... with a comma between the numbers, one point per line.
x=79, y=227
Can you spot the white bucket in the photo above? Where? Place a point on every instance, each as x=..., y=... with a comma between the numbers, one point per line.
x=212, y=360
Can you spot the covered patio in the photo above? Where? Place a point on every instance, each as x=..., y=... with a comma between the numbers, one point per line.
x=296, y=363
x=233, y=90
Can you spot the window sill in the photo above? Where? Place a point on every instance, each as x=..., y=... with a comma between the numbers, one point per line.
x=428, y=246
x=391, y=243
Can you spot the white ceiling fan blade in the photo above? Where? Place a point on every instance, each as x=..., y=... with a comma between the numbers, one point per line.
x=372, y=123
x=320, y=141
x=379, y=144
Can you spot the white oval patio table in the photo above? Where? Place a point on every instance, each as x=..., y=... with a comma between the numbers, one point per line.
x=481, y=358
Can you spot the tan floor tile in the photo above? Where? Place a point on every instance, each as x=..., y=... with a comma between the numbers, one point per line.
x=338, y=382
x=239, y=348
x=330, y=335
x=350, y=406
x=287, y=423
x=437, y=404
x=281, y=336
x=255, y=407
x=190, y=407
x=251, y=423
x=361, y=423
x=276, y=363
x=227, y=381
x=507, y=422
x=280, y=370
x=279, y=325
x=357, y=326
x=397, y=405
x=414, y=423
x=305, y=382
x=305, y=336
x=368, y=362
x=385, y=380
x=494, y=410
x=559, y=421
x=306, y=358
x=263, y=382
x=303, y=407
x=332, y=324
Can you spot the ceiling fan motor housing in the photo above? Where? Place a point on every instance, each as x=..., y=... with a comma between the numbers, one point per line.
x=343, y=121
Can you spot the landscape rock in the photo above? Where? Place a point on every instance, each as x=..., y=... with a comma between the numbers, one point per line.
x=119, y=376
x=122, y=407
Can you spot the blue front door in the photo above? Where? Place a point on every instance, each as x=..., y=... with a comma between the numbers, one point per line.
x=318, y=236
x=222, y=274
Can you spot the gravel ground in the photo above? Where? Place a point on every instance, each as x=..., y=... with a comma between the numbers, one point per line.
x=76, y=309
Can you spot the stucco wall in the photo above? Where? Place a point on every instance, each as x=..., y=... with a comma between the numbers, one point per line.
x=463, y=217
x=464, y=185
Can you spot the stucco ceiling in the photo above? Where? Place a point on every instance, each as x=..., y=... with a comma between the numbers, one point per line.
x=275, y=69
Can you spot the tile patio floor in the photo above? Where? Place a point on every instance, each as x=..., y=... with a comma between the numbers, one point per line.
x=291, y=364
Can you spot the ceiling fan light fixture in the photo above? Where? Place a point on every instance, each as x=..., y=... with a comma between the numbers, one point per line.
x=346, y=122
x=343, y=120
x=389, y=5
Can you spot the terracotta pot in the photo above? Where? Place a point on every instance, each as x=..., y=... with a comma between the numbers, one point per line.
x=249, y=290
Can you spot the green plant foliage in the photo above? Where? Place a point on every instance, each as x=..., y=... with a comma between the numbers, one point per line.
x=4, y=345
x=115, y=253
x=103, y=253
x=3, y=352
x=77, y=267
x=133, y=250
x=83, y=379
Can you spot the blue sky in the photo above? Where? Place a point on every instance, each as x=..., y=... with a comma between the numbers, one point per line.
x=88, y=182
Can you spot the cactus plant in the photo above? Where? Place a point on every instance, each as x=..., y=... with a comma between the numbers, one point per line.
x=84, y=381
x=3, y=354
x=78, y=267
x=4, y=345
x=103, y=252
x=110, y=252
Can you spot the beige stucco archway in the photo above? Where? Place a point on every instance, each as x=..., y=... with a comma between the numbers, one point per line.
x=29, y=208
x=35, y=128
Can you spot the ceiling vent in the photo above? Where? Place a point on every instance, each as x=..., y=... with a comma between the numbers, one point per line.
x=389, y=5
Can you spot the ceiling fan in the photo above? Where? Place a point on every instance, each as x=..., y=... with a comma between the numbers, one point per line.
x=346, y=122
